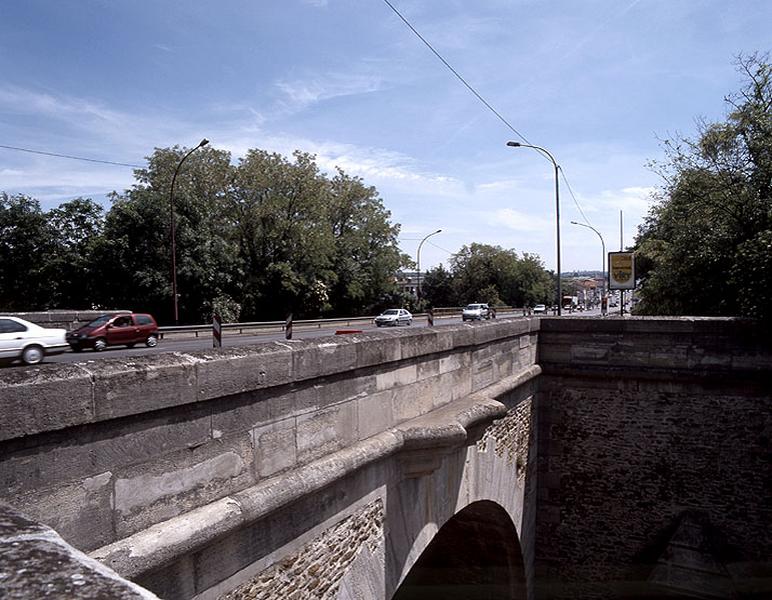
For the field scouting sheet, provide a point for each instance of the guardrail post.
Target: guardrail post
(288, 327)
(216, 331)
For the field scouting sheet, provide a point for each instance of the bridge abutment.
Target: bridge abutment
(354, 468)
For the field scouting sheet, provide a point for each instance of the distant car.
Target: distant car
(394, 317)
(475, 312)
(25, 341)
(125, 329)
(539, 309)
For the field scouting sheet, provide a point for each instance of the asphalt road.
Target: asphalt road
(189, 343)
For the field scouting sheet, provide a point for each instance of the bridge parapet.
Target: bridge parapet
(105, 450)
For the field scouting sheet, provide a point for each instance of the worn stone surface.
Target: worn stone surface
(36, 563)
(42, 398)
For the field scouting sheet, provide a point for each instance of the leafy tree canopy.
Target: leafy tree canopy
(491, 274)
(705, 247)
(254, 240)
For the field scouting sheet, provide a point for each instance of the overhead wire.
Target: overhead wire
(571, 192)
(479, 97)
(456, 73)
(92, 160)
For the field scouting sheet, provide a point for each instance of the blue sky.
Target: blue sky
(597, 82)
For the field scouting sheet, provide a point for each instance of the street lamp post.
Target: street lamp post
(602, 258)
(546, 153)
(201, 144)
(418, 261)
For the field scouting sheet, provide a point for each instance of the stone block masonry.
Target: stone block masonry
(644, 424)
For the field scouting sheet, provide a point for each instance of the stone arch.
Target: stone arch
(476, 555)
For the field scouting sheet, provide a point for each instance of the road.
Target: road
(189, 343)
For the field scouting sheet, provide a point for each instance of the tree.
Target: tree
(437, 288)
(704, 248)
(27, 247)
(76, 226)
(491, 274)
(132, 260)
(366, 255)
(286, 251)
(255, 240)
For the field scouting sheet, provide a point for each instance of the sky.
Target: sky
(599, 83)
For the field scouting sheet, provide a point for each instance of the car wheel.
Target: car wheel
(131, 345)
(409, 322)
(151, 341)
(100, 344)
(32, 355)
(76, 347)
(378, 325)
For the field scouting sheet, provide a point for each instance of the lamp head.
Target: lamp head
(203, 143)
(438, 231)
(513, 144)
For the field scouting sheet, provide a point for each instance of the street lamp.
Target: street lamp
(418, 260)
(546, 153)
(602, 258)
(201, 144)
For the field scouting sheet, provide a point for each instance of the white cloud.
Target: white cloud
(519, 221)
(302, 93)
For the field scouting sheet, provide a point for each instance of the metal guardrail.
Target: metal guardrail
(300, 323)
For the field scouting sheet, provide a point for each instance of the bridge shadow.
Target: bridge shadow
(476, 555)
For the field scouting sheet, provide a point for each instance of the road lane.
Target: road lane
(185, 343)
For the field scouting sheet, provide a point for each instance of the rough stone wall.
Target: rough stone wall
(315, 571)
(510, 437)
(623, 458)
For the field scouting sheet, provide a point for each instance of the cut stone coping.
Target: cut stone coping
(446, 427)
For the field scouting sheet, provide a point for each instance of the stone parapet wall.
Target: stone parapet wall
(103, 450)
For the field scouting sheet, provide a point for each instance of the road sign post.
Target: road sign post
(430, 318)
(621, 274)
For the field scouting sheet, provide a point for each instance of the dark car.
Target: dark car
(125, 329)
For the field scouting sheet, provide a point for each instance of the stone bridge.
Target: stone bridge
(522, 458)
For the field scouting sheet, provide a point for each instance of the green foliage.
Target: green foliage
(437, 288)
(255, 240)
(491, 274)
(77, 226)
(27, 247)
(705, 247)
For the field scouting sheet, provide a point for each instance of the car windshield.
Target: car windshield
(99, 321)
(473, 307)
(391, 311)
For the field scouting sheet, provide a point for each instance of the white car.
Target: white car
(539, 309)
(394, 316)
(475, 312)
(25, 341)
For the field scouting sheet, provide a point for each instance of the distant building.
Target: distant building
(407, 282)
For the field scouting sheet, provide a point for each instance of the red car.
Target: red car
(125, 329)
